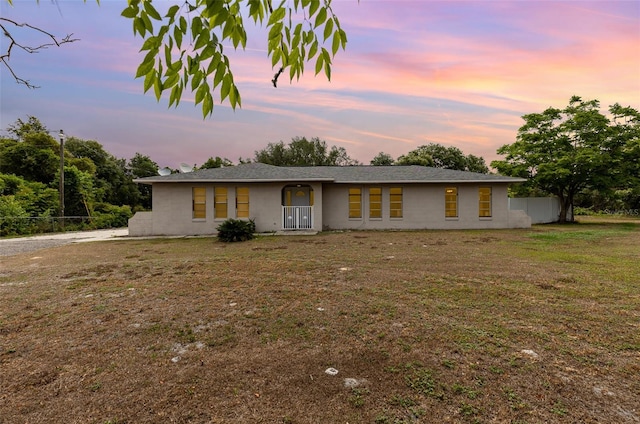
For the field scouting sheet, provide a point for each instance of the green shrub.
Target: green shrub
(236, 230)
(13, 218)
(106, 215)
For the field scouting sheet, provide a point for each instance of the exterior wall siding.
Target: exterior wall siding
(423, 208)
(172, 209)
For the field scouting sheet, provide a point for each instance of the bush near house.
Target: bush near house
(236, 230)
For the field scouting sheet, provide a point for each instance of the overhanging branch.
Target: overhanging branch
(6, 24)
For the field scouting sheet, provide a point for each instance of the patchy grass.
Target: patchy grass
(521, 326)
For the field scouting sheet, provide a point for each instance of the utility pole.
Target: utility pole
(61, 187)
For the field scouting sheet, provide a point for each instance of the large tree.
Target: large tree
(303, 152)
(564, 151)
(31, 153)
(439, 156)
(184, 43)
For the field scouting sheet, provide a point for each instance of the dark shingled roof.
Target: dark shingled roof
(260, 172)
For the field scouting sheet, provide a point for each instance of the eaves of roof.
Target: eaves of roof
(263, 173)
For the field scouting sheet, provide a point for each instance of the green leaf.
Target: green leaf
(196, 26)
(138, 26)
(313, 6)
(130, 12)
(144, 68)
(150, 43)
(167, 55)
(343, 39)
(220, 73)
(213, 63)
(151, 11)
(277, 16)
(207, 105)
(326, 55)
(234, 97)
(275, 58)
(336, 43)
(171, 81)
(202, 40)
(319, 64)
(226, 88)
(221, 17)
(196, 80)
(149, 79)
(171, 13)
(177, 36)
(313, 50)
(200, 93)
(327, 70)
(176, 94)
(275, 33)
(321, 17)
(328, 29)
(207, 52)
(157, 87)
(147, 22)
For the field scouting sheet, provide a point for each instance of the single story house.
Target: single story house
(327, 198)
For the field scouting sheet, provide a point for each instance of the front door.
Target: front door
(297, 196)
(297, 208)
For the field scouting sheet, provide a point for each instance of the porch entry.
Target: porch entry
(297, 207)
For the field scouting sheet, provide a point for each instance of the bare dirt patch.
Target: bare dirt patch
(523, 326)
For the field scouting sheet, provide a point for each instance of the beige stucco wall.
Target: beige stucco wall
(172, 209)
(423, 208)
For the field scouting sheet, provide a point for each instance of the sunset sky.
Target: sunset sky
(458, 73)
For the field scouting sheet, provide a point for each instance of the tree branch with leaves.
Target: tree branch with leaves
(185, 47)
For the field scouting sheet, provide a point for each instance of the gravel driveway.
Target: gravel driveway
(15, 246)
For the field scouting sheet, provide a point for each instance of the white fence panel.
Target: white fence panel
(542, 210)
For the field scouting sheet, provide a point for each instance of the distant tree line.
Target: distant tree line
(590, 160)
(99, 186)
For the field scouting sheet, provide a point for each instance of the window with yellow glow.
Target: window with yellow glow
(484, 205)
(395, 202)
(199, 202)
(375, 202)
(355, 203)
(451, 202)
(242, 202)
(220, 202)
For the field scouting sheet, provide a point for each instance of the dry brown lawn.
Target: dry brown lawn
(511, 326)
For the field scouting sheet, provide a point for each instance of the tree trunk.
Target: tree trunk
(562, 218)
(566, 209)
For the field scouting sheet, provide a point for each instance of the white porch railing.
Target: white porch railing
(297, 217)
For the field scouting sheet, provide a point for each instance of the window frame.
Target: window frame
(220, 199)
(375, 203)
(451, 199)
(242, 212)
(396, 200)
(355, 198)
(485, 203)
(199, 203)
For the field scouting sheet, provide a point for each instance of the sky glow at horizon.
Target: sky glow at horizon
(458, 73)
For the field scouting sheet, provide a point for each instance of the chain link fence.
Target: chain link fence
(24, 225)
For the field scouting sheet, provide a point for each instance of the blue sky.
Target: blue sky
(459, 73)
